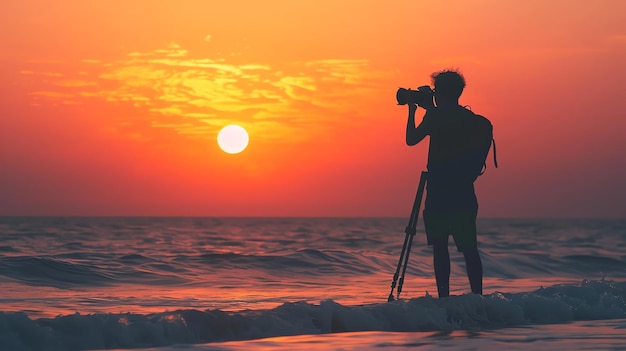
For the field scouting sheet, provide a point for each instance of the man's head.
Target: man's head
(448, 85)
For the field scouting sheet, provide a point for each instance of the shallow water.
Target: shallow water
(588, 335)
(150, 282)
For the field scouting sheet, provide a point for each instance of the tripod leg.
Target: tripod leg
(412, 227)
(408, 239)
(395, 276)
(406, 261)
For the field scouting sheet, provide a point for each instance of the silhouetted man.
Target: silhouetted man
(455, 159)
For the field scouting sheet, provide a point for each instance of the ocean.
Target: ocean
(174, 283)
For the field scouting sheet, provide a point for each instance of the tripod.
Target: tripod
(408, 239)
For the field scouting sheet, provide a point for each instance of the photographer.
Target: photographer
(455, 158)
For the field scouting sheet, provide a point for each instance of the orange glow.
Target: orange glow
(113, 108)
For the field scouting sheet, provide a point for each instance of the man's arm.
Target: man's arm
(416, 134)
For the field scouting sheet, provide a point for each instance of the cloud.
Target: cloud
(75, 83)
(195, 96)
(47, 74)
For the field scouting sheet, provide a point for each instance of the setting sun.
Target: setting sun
(233, 139)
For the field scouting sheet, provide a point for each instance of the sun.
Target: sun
(232, 139)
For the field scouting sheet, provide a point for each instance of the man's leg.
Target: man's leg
(441, 261)
(465, 238)
(474, 267)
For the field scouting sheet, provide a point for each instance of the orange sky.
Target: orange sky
(113, 107)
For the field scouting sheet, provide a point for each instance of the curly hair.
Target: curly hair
(448, 83)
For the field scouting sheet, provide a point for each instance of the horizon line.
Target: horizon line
(308, 216)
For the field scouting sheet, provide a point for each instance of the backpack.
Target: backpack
(461, 147)
(482, 131)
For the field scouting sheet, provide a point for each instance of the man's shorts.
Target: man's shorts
(461, 225)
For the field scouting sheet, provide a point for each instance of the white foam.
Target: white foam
(555, 304)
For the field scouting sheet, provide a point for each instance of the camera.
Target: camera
(422, 96)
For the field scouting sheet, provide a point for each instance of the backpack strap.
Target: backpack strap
(495, 160)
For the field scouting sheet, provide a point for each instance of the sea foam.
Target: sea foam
(555, 304)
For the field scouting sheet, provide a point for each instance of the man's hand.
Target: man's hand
(426, 103)
(415, 134)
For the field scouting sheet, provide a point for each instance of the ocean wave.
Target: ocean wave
(66, 273)
(589, 300)
(308, 261)
(597, 262)
(51, 271)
